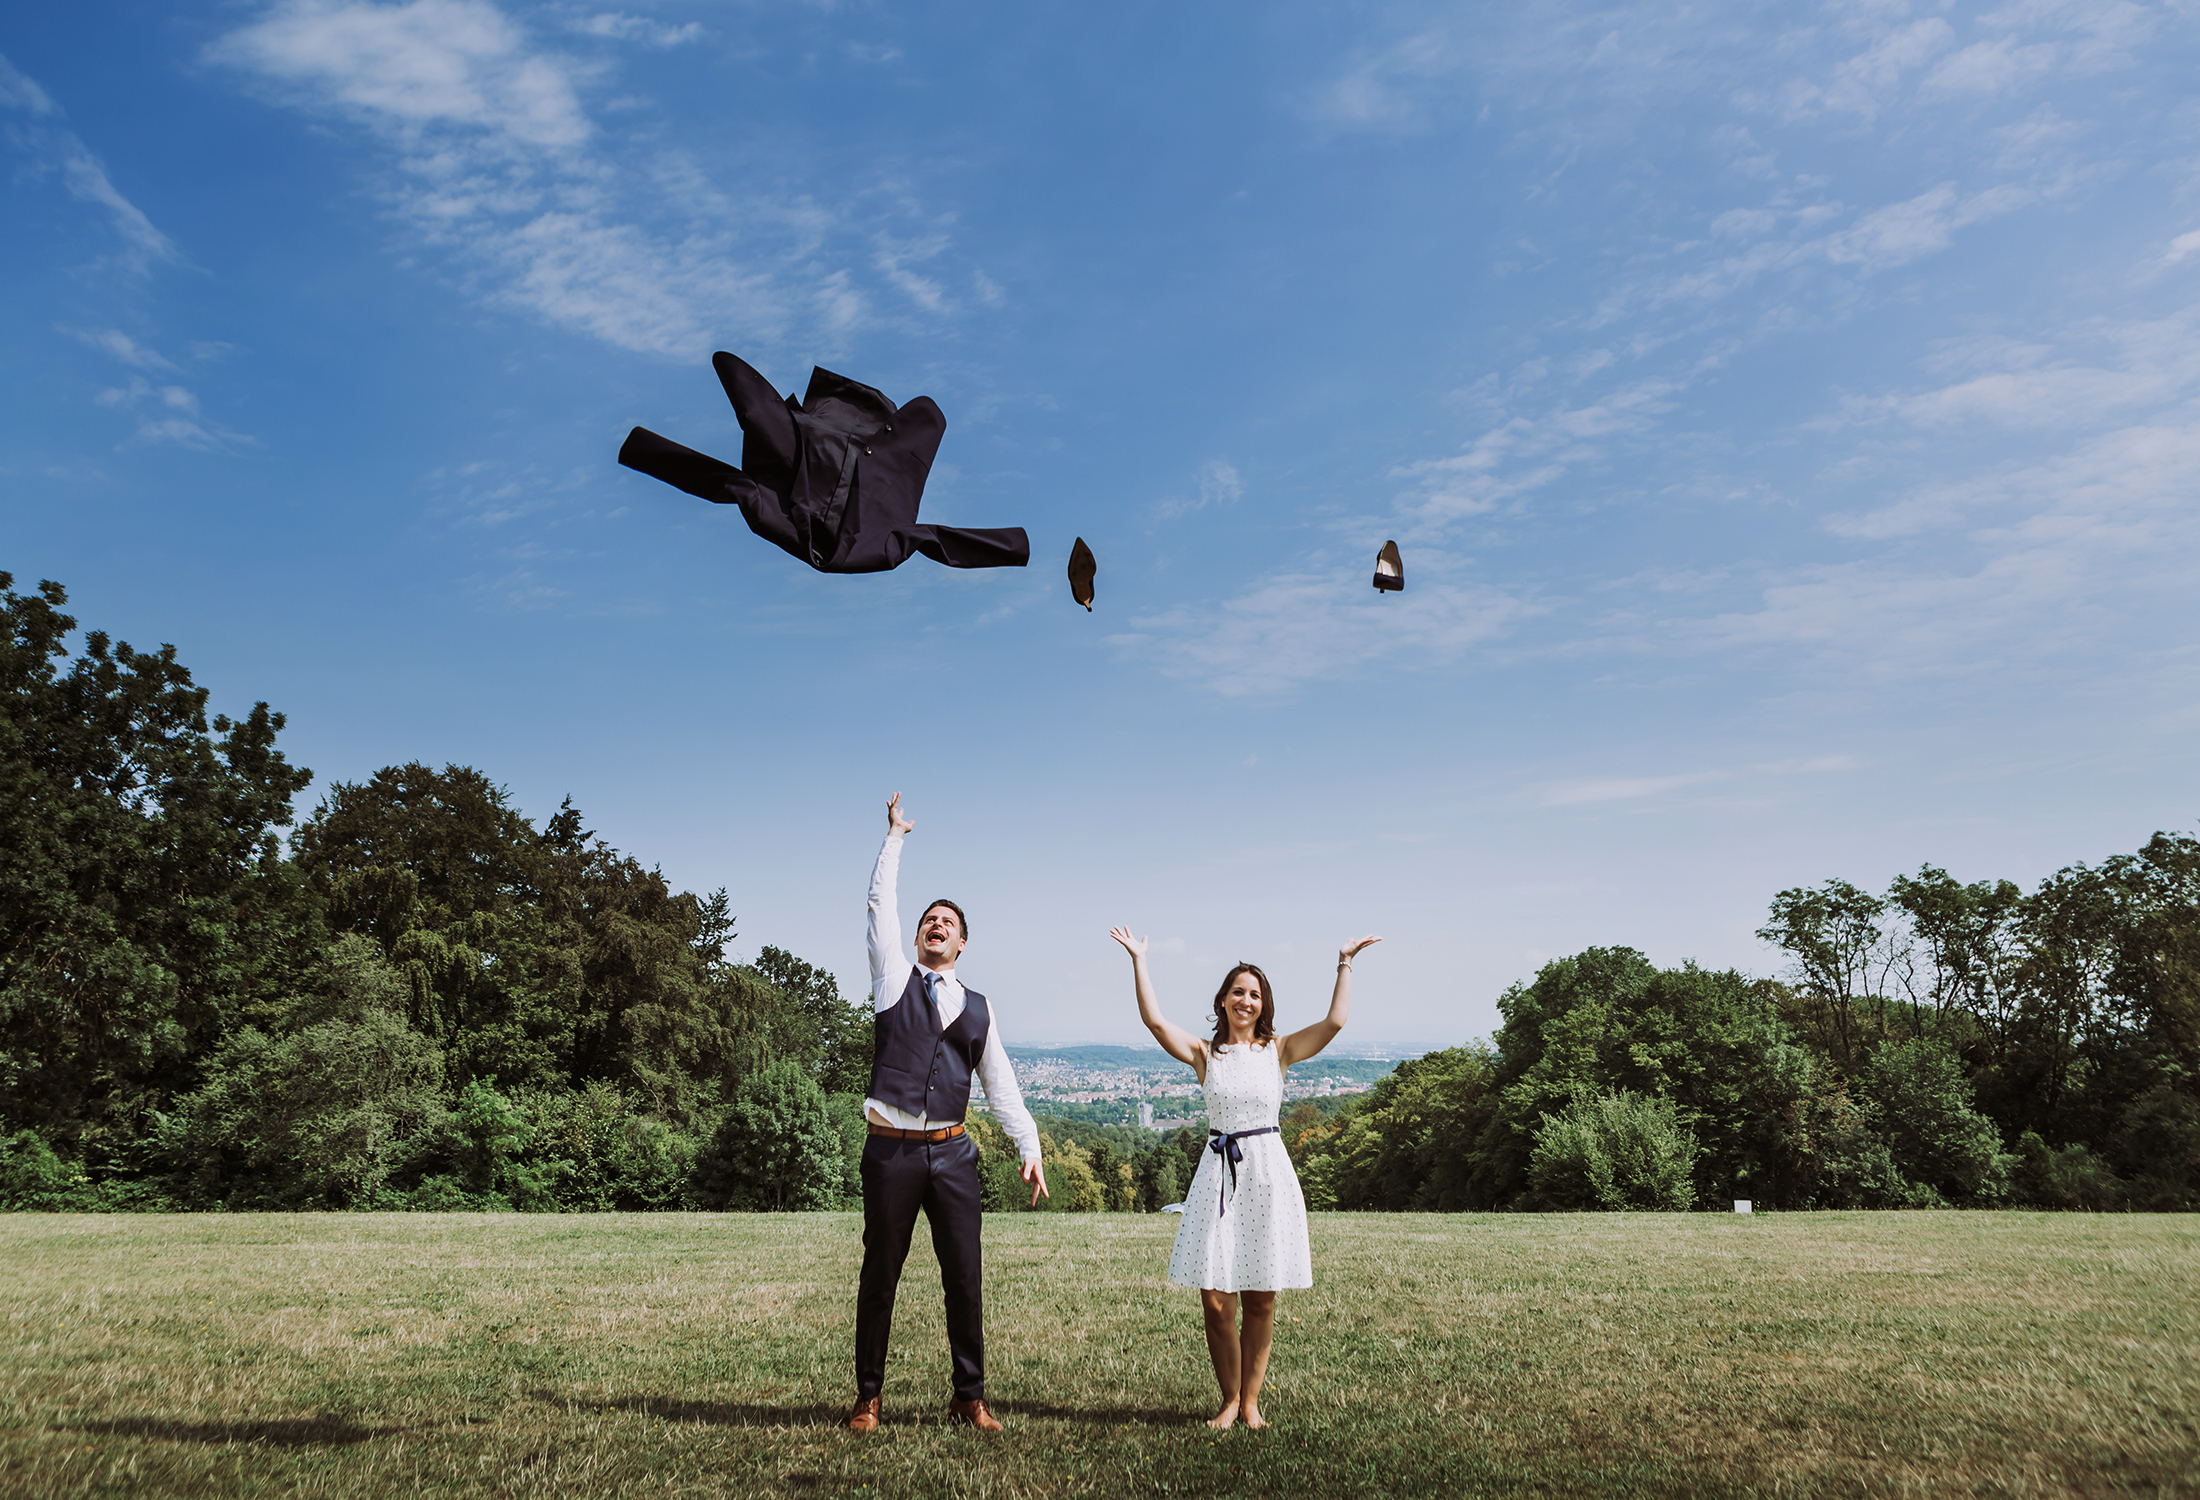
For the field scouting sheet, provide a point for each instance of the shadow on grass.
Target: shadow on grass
(813, 1414)
(1104, 1416)
(711, 1413)
(274, 1432)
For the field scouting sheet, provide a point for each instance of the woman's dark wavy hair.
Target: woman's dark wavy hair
(1264, 1029)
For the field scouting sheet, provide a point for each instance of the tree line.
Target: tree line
(1941, 1043)
(419, 998)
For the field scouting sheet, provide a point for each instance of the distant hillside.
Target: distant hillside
(1359, 1070)
(1099, 1057)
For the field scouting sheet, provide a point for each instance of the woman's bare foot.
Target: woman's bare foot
(1225, 1419)
(1254, 1419)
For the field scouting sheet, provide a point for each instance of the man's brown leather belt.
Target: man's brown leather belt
(934, 1136)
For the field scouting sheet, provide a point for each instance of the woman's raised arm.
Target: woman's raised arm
(1174, 1039)
(1305, 1042)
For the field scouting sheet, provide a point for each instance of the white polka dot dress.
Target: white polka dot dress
(1254, 1238)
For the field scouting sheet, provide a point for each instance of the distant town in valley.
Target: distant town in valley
(1144, 1086)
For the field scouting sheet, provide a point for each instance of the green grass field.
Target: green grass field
(1829, 1354)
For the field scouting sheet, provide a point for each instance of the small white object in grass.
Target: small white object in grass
(1744, 1206)
(1172, 1208)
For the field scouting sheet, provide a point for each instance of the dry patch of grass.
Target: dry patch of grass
(2008, 1355)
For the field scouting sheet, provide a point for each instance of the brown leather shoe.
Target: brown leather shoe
(973, 1414)
(865, 1417)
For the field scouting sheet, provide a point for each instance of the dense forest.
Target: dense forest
(418, 998)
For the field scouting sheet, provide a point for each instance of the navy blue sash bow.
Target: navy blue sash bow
(1226, 1147)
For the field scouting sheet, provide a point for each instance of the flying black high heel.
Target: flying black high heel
(1390, 570)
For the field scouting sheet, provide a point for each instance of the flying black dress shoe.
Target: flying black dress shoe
(1390, 571)
(1082, 567)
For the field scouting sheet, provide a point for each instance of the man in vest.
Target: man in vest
(932, 1036)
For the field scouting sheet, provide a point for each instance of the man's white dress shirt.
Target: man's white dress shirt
(890, 969)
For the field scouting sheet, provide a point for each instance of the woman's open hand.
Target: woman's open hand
(1135, 946)
(1347, 953)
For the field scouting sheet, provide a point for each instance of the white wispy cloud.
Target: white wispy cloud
(1216, 482)
(119, 346)
(415, 66)
(493, 157)
(626, 28)
(2028, 538)
(20, 92)
(51, 147)
(164, 409)
(168, 413)
(1597, 790)
(1284, 632)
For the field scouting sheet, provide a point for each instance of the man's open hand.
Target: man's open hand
(1036, 1175)
(895, 822)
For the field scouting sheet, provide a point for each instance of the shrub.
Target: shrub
(323, 1118)
(2161, 1146)
(855, 1129)
(1920, 1103)
(776, 1149)
(2068, 1177)
(1615, 1151)
(591, 1151)
(493, 1129)
(33, 1177)
(1850, 1165)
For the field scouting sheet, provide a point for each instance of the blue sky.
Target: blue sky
(1790, 416)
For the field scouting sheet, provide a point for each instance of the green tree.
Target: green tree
(144, 902)
(1071, 1183)
(1606, 1021)
(1921, 1104)
(2159, 1144)
(540, 961)
(777, 1148)
(835, 1035)
(1843, 962)
(1967, 933)
(1408, 1142)
(1160, 1179)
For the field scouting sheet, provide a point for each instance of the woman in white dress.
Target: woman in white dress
(1243, 1235)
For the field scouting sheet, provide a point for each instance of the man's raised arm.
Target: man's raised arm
(889, 968)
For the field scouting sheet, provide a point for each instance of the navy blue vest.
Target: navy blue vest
(920, 1069)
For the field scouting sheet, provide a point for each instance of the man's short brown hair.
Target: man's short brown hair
(951, 906)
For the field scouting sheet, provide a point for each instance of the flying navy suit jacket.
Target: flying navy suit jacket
(834, 479)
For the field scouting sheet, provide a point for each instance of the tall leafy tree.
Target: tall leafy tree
(1844, 963)
(144, 901)
(836, 1035)
(1713, 1044)
(539, 959)
(1970, 953)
